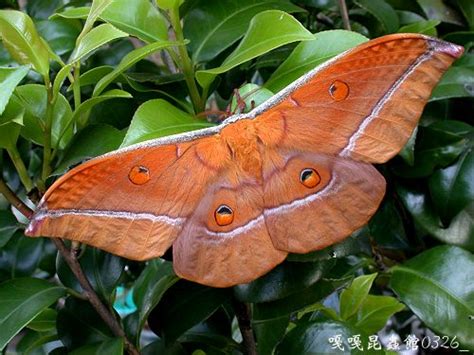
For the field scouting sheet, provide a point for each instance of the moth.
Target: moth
(293, 175)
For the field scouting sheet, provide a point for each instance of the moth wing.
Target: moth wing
(364, 104)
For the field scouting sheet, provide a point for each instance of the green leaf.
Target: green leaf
(438, 10)
(374, 313)
(296, 301)
(33, 98)
(97, 7)
(11, 122)
(177, 311)
(225, 22)
(8, 226)
(45, 321)
(155, 279)
(284, 280)
(424, 27)
(92, 141)
(456, 82)
(158, 118)
(103, 270)
(110, 346)
(32, 341)
(21, 256)
(309, 54)
(138, 18)
(315, 338)
(269, 333)
(79, 324)
(354, 296)
(467, 8)
(267, 30)
(80, 114)
(9, 79)
(438, 286)
(21, 300)
(459, 232)
(169, 4)
(94, 39)
(248, 97)
(60, 34)
(452, 188)
(20, 38)
(127, 61)
(383, 12)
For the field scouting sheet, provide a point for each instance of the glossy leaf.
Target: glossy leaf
(177, 311)
(110, 346)
(9, 79)
(309, 54)
(20, 38)
(92, 329)
(138, 18)
(383, 12)
(60, 34)
(8, 226)
(284, 280)
(21, 256)
(32, 341)
(225, 22)
(21, 300)
(424, 27)
(467, 8)
(247, 97)
(45, 321)
(33, 98)
(269, 333)
(277, 27)
(11, 122)
(158, 118)
(456, 82)
(314, 338)
(374, 312)
(102, 269)
(452, 188)
(92, 141)
(154, 281)
(460, 230)
(97, 7)
(94, 39)
(80, 114)
(438, 286)
(438, 10)
(354, 296)
(130, 59)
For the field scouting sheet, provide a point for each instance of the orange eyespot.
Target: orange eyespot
(224, 215)
(309, 178)
(139, 175)
(339, 90)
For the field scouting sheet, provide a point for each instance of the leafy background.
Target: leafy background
(79, 79)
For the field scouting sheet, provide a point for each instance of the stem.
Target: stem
(92, 297)
(71, 260)
(15, 200)
(186, 64)
(76, 86)
(47, 131)
(344, 14)
(20, 168)
(242, 312)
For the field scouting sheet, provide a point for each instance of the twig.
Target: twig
(242, 312)
(72, 262)
(89, 292)
(344, 14)
(14, 200)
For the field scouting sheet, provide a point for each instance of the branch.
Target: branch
(72, 262)
(242, 312)
(14, 200)
(89, 292)
(345, 15)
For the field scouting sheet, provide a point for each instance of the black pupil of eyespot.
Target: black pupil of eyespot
(332, 89)
(305, 174)
(142, 169)
(224, 210)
